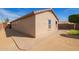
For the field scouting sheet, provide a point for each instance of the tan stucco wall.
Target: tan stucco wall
(42, 24)
(36, 25)
(26, 25)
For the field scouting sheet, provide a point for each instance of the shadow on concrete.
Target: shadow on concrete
(10, 32)
(70, 36)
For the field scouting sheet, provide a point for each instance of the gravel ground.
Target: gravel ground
(57, 41)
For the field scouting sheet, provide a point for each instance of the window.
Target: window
(49, 23)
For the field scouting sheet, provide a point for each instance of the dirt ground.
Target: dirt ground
(57, 41)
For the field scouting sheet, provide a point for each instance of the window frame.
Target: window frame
(49, 23)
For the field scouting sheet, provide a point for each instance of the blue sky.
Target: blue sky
(14, 13)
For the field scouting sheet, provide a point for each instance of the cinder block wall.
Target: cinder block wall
(3, 25)
(67, 26)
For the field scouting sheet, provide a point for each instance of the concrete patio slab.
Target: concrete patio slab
(54, 42)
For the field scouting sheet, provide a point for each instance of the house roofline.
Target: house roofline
(55, 14)
(35, 13)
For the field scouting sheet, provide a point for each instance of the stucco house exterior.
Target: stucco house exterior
(37, 23)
